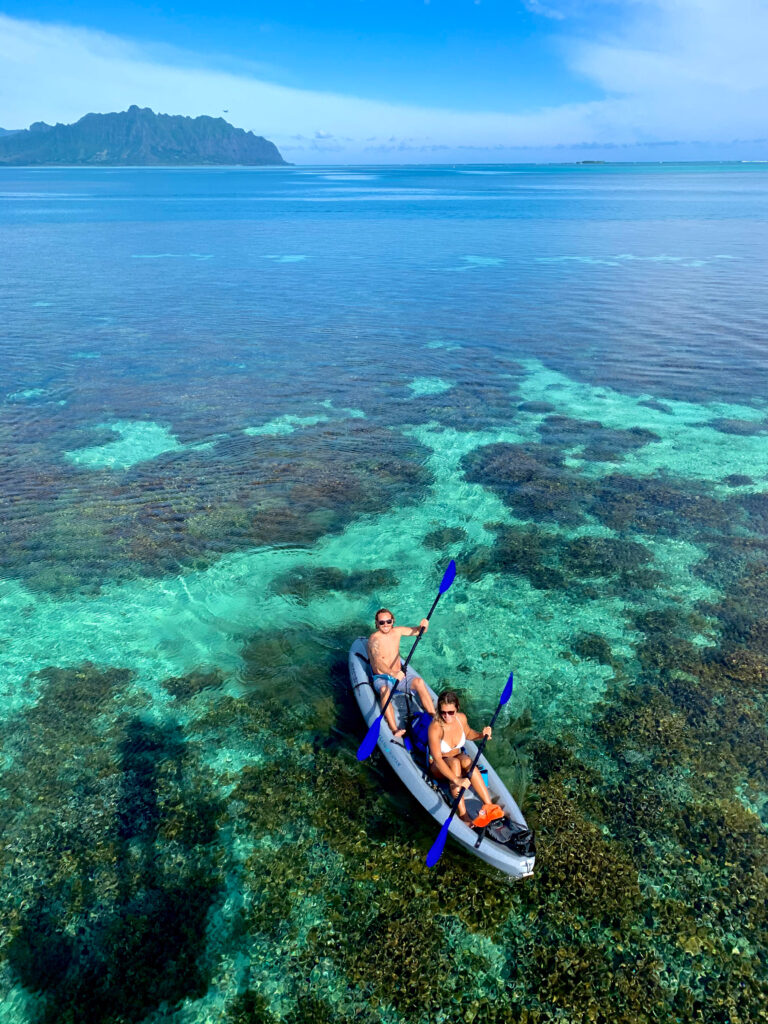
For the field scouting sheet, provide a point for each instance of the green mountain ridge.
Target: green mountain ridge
(138, 137)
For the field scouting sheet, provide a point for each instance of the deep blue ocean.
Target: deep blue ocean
(240, 410)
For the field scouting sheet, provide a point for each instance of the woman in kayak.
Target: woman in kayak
(447, 735)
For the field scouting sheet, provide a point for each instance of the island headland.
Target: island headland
(137, 137)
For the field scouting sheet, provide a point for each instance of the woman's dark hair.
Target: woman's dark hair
(448, 697)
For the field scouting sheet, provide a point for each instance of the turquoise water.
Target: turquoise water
(242, 409)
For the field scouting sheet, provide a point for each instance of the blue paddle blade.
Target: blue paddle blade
(365, 749)
(448, 577)
(507, 690)
(436, 849)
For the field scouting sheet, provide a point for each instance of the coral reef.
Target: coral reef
(537, 408)
(593, 647)
(87, 527)
(651, 874)
(550, 562)
(184, 688)
(597, 442)
(109, 854)
(307, 583)
(742, 428)
(443, 538)
(659, 504)
(531, 478)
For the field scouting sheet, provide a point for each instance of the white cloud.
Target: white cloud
(696, 69)
(682, 70)
(536, 7)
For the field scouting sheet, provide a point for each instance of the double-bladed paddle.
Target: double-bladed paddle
(436, 850)
(372, 736)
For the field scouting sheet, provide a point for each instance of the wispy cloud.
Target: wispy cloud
(547, 10)
(681, 71)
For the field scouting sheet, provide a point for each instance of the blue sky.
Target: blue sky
(366, 81)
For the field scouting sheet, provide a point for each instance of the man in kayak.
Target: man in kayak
(384, 653)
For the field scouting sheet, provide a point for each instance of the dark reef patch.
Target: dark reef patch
(755, 506)
(186, 687)
(586, 567)
(531, 478)
(599, 443)
(604, 556)
(443, 538)
(742, 428)
(184, 510)
(517, 550)
(593, 647)
(743, 610)
(308, 582)
(659, 504)
(473, 401)
(737, 480)
(303, 678)
(475, 405)
(109, 855)
(541, 408)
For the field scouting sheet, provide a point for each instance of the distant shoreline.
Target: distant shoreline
(586, 164)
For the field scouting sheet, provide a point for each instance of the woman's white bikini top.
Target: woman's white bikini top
(445, 747)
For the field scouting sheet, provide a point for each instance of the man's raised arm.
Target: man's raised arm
(414, 630)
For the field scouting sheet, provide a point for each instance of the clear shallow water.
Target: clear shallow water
(239, 411)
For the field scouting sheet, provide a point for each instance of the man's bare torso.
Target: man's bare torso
(384, 650)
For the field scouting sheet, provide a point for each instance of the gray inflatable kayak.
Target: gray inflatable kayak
(506, 844)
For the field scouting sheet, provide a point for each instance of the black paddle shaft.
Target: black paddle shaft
(372, 736)
(478, 755)
(410, 655)
(436, 849)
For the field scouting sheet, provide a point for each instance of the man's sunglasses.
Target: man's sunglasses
(384, 622)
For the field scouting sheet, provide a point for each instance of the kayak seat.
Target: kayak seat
(417, 731)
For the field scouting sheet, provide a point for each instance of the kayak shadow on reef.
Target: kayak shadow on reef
(104, 960)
